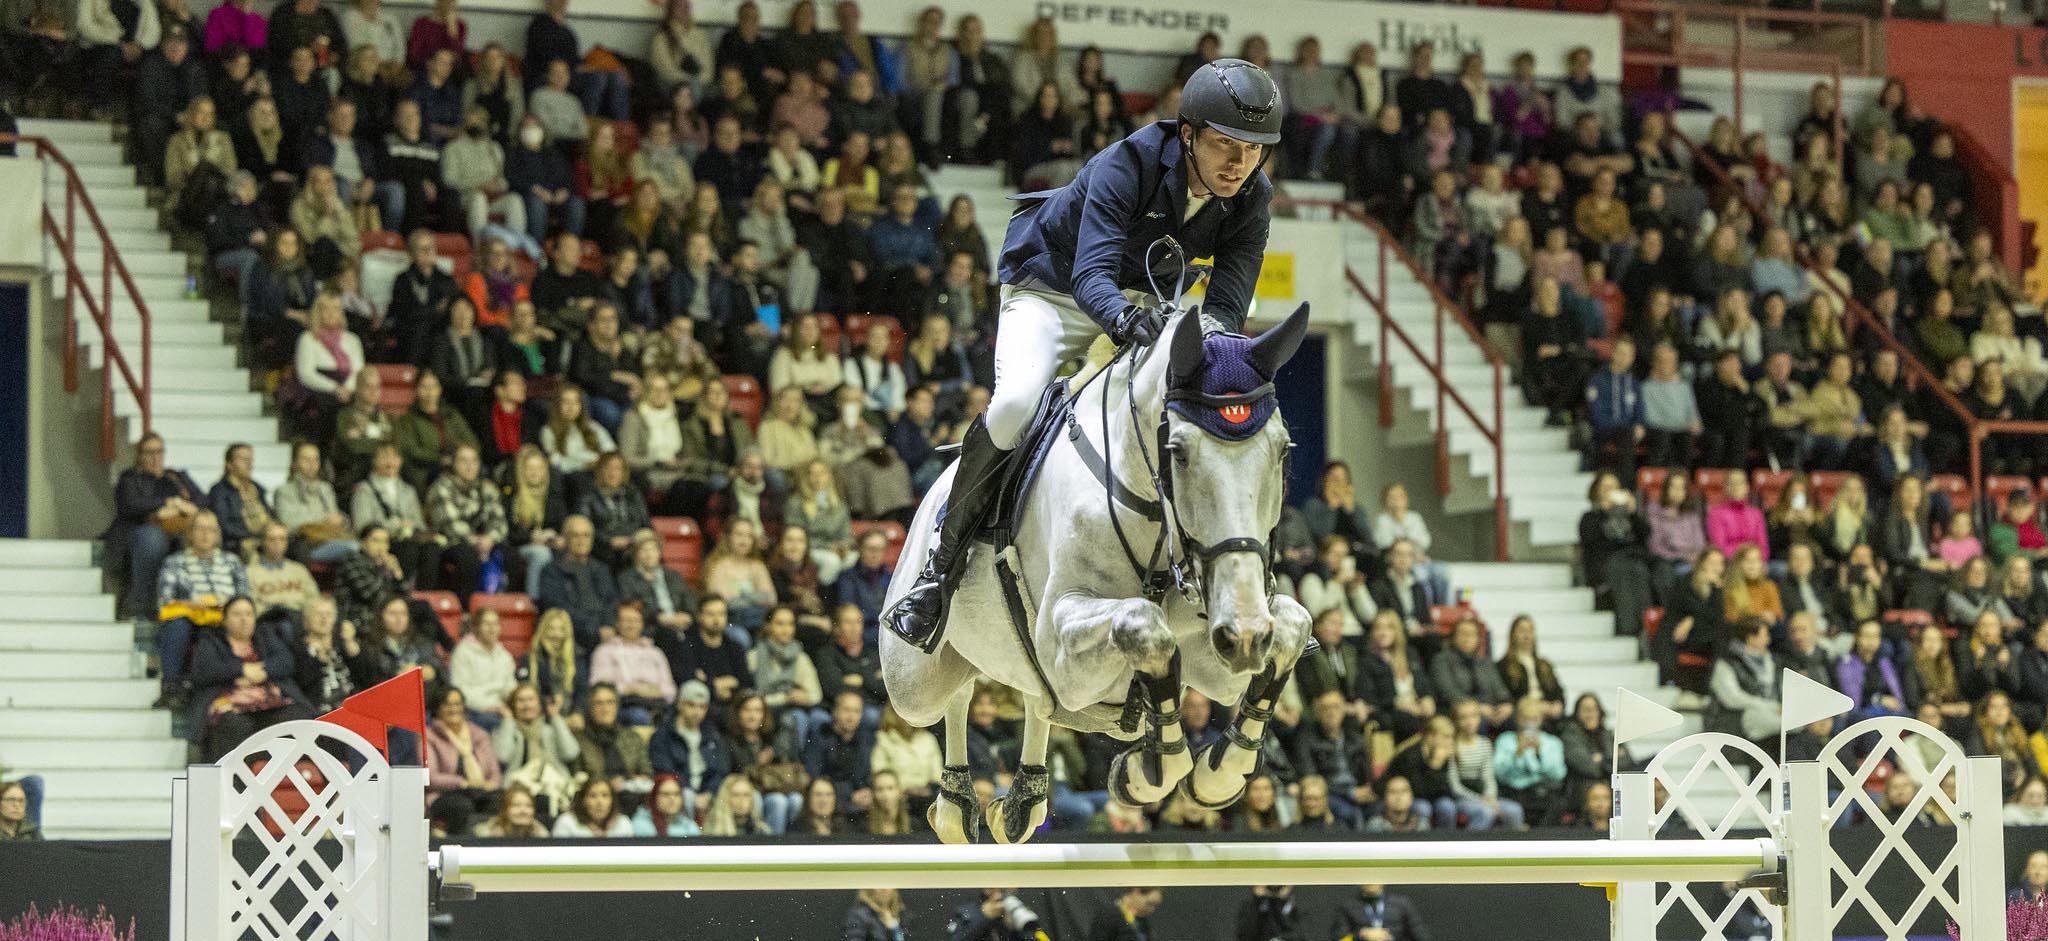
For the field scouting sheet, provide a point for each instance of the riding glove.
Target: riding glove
(1139, 325)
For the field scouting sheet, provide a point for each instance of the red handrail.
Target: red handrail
(135, 377)
(1391, 251)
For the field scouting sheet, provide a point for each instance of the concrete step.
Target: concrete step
(62, 132)
(222, 431)
(1602, 678)
(80, 694)
(202, 459)
(103, 197)
(62, 817)
(223, 404)
(167, 332)
(16, 581)
(200, 381)
(124, 753)
(35, 665)
(83, 153)
(93, 638)
(97, 176)
(164, 263)
(51, 553)
(1569, 653)
(128, 784)
(18, 725)
(1506, 575)
(89, 608)
(1487, 597)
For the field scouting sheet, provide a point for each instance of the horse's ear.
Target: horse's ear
(1275, 347)
(1186, 356)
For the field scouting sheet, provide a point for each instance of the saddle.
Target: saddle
(1055, 411)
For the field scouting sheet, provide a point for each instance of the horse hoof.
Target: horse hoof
(947, 821)
(1127, 785)
(998, 815)
(1209, 770)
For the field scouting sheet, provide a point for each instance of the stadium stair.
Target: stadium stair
(74, 706)
(202, 398)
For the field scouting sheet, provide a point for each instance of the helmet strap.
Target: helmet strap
(1195, 166)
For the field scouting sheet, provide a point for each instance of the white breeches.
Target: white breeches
(1036, 331)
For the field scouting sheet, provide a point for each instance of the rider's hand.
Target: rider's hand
(1140, 325)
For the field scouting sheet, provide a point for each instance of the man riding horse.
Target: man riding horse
(1074, 266)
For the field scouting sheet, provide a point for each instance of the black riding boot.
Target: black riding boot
(921, 612)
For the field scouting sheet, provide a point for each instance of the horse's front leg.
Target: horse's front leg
(956, 816)
(1223, 767)
(1090, 629)
(1013, 817)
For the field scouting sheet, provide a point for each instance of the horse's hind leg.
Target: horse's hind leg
(1091, 629)
(1222, 768)
(1013, 817)
(956, 815)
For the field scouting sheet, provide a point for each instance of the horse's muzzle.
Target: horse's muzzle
(1243, 649)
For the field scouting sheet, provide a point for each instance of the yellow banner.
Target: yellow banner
(1276, 278)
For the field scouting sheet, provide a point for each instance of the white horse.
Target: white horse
(1192, 416)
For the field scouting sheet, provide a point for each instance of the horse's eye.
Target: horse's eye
(1180, 454)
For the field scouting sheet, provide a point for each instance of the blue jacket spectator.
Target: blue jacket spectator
(580, 585)
(898, 240)
(1614, 399)
(672, 750)
(840, 750)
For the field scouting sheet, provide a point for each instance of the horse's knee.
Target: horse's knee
(1292, 627)
(1139, 630)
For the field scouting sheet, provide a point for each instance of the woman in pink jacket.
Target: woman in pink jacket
(1734, 522)
(463, 776)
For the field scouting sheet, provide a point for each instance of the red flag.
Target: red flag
(399, 701)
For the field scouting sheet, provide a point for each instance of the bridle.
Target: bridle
(1177, 561)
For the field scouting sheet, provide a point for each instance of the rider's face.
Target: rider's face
(1222, 163)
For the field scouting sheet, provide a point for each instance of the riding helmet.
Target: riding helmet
(1234, 97)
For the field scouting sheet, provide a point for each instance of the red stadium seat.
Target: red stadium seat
(682, 544)
(516, 615)
(829, 330)
(1653, 620)
(1956, 486)
(373, 241)
(857, 331)
(447, 608)
(1768, 484)
(1998, 488)
(1650, 482)
(451, 244)
(395, 393)
(1907, 621)
(626, 135)
(1447, 616)
(894, 531)
(1825, 485)
(746, 398)
(1711, 482)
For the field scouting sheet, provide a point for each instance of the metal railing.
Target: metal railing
(1658, 32)
(1444, 311)
(113, 283)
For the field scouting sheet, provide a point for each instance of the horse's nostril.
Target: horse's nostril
(1224, 638)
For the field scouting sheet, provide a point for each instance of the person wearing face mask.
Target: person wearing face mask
(473, 171)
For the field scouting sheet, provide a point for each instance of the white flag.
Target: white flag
(1806, 702)
(1635, 717)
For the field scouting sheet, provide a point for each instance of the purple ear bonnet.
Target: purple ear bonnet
(1226, 370)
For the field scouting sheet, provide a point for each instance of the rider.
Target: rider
(1074, 266)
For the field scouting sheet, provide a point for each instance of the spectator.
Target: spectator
(385, 499)
(307, 506)
(660, 161)
(169, 79)
(865, 583)
(328, 660)
(1970, 595)
(1336, 584)
(1728, 411)
(849, 663)
(1734, 522)
(1897, 453)
(1749, 591)
(803, 362)
(594, 813)
(911, 754)
(783, 673)
(579, 583)
(666, 813)
(1590, 755)
(238, 230)
(1336, 751)
(397, 645)
(193, 588)
(681, 50)
(1337, 666)
(543, 179)
(734, 812)
(241, 681)
(1745, 684)
(474, 167)
(615, 508)
(1998, 733)
(550, 39)
(1462, 672)
(360, 175)
(462, 766)
(1614, 541)
(466, 514)
(1984, 661)
(427, 431)
(277, 297)
(1677, 530)
(367, 578)
(1474, 789)
(278, 583)
(660, 591)
(1525, 674)
(1529, 762)
(1802, 652)
(1615, 410)
(676, 354)
(413, 165)
(691, 749)
(1401, 589)
(242, 505)
(1869, 678)
(2029, 808)
(153, 506)
(786, 441)
(610, 752)
(711, 655)
(2017, 534)
(1802, 591)
(2021, 591)
(198, 143)
(877, 375)
(1553, 352)
(1935, 682)
(629, 662)
(1399, 813)
(324, 219)
(1906, 541)
(327, 360)
(484, 671)
(840, 751)
(1671, 413)
(731, 166)
(800, 108)
(734, 571)
(651, 437)
(714, 439)
(1695, 622)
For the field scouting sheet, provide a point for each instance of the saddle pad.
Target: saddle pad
(1053, 408)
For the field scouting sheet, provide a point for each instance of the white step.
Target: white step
(36, 665)
(129, 784)
(1486, 597)
(20, 580)
(224, 404)
(68, 818)
(61, 132)
(1511, 574)
(99, 638)
(1570, 653)
(80, 694)
(164, 332)
(202, 459)
(200, 381)
(223, 431)
(103, 197)
(94, 608)
(97, 176)
(130, 753)
(45, 552)
(18, 725)
(84, 153)
(164, 263)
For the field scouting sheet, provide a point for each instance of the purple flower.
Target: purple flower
(2024, 921)
(65, 923)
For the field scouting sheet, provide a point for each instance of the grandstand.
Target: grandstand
(435, 321)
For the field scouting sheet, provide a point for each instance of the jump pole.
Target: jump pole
(700, 866)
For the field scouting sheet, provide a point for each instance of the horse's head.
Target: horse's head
(1225, 450)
